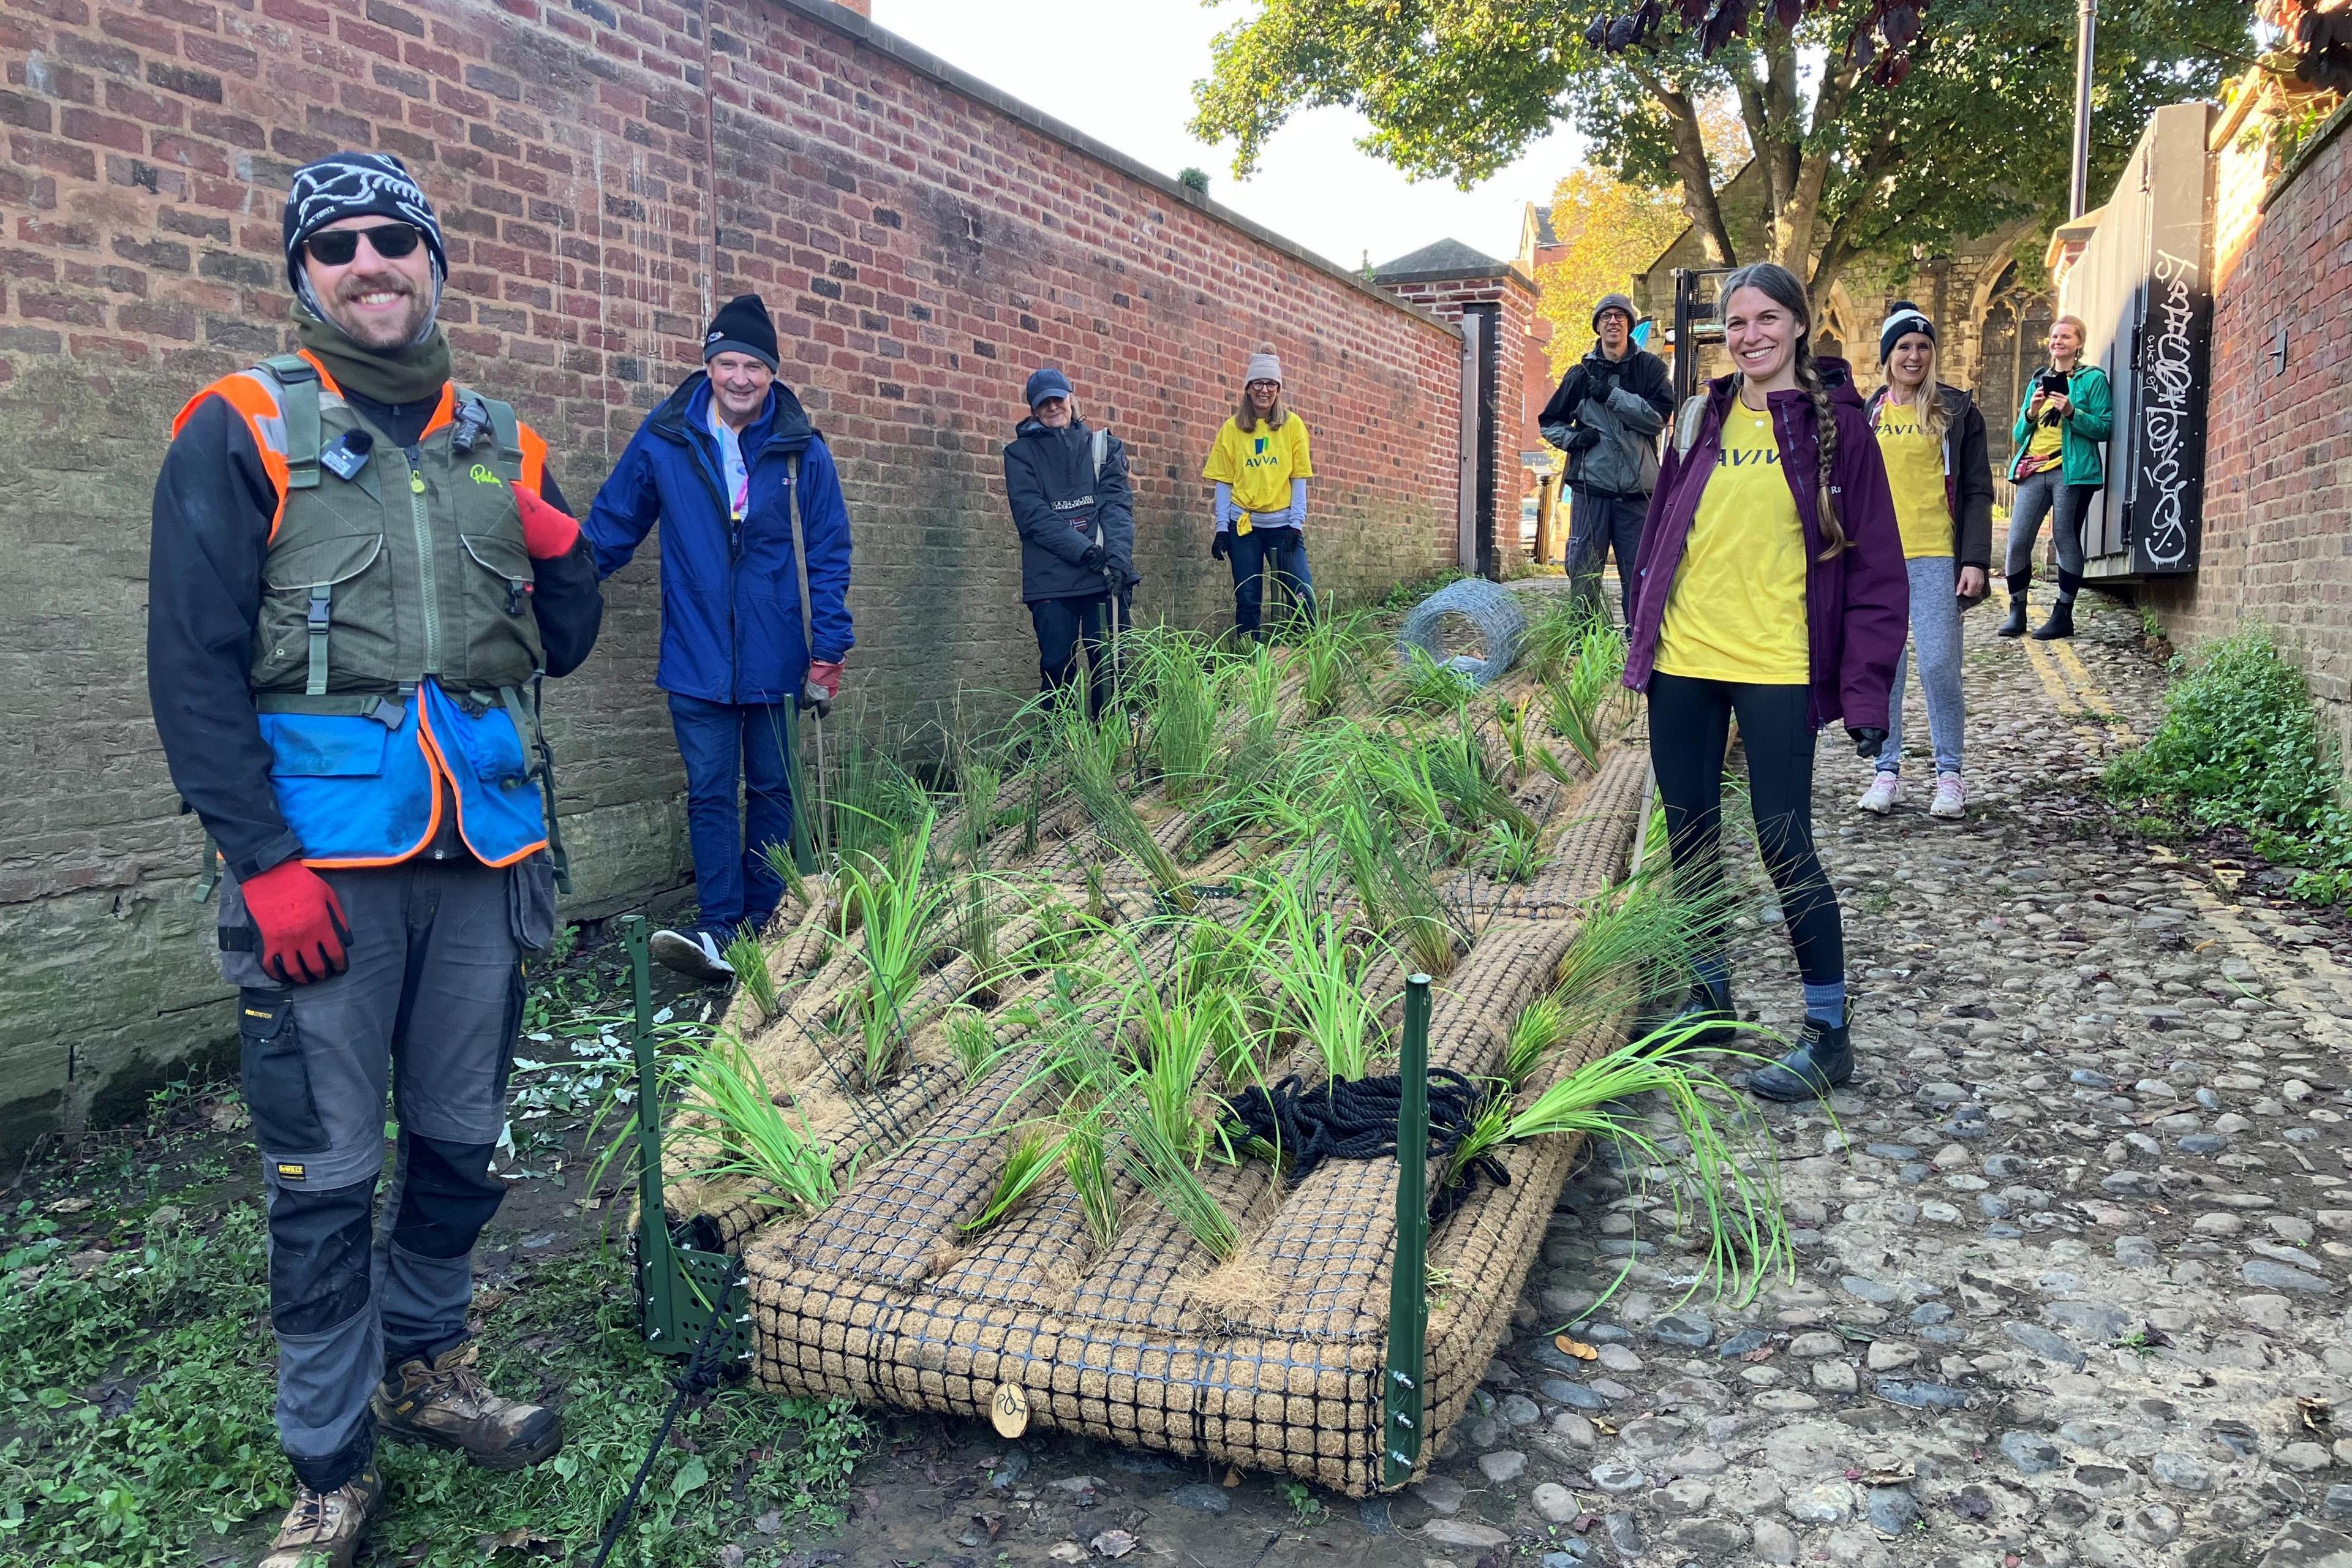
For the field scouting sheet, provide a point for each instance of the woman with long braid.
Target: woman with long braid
(1772, 589)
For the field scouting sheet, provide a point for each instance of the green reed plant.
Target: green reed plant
(1086, 1165)
(1548, 645)
(1512, 854)
(1176, 675)
(1583, 701)
(732, 1126)
(1724, 1181)
(1392, 875)
(1318, 963)
(901, 908)
(1430, 685)
(1036, 1156)
(749, 958)
(1330, 658)
(1459, 772)
(1089, 753)
(1144, 1152)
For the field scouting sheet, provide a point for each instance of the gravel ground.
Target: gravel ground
(2071, 1254)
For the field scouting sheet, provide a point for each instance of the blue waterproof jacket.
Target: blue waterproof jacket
(731, 627)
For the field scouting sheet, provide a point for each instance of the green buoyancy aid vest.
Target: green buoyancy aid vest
(396, 637)
(414, 566)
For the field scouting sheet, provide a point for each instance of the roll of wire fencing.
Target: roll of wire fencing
(1494, 609)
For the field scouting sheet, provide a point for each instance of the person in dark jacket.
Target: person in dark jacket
(1067, 481)
(1933, 441)
(1771, 590)
(359, 570)
(1606, 416)
(732, 469)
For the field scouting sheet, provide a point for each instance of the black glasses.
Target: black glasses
(338, 246)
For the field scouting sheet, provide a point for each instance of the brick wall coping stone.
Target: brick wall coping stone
(841, 20)
(2329, 129)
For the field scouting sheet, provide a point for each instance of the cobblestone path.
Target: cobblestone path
(2072, 1254)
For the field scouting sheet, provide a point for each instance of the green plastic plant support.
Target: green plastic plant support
(678, 1287)
(1402, 1404)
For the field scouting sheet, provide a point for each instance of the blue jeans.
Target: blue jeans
(722, 742)
(1286, 549)
(1935, 636)
(1597, 524)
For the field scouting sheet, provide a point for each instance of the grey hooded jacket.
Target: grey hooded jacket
(1606, 416)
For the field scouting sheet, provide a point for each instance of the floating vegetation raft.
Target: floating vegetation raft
(1011, 1036)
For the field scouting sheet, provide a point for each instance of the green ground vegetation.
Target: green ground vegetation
(136, 1362)
(2242, 747)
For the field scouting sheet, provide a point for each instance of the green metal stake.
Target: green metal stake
(656, 1269)
(1401, 1396)
(678, 1287)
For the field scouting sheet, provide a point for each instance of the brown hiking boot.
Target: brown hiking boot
(323, 1528)
(446, 1405)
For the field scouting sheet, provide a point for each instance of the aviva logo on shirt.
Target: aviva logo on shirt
(1259, 457)
(1749, 456)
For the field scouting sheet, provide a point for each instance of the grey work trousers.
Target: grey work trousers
(2046, 494)
(429, 1008)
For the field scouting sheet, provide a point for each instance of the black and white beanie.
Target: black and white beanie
(1901, 317)
(356, 184)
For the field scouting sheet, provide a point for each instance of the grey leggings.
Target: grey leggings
(2066, 505)
(1936, 634)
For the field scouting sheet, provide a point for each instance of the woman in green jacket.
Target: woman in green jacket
(2067, 412)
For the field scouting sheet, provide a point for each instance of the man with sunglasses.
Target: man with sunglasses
(359, 571)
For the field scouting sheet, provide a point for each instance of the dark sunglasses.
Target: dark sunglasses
(338, 246)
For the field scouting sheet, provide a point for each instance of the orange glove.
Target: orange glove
(546, 533)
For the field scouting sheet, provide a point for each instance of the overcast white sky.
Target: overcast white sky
(1122, 71)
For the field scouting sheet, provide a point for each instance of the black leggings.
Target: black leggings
(1690, 728)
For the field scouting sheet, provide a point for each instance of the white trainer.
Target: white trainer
(1951, 801)
(1884, 791)
(697, 956)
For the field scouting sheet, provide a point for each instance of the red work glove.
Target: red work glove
(546, 533)
(827, 676)
(300, 922)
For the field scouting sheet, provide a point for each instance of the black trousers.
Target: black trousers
(1690, 728)
(1067, 625)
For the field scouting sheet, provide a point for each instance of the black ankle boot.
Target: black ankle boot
(2015, 626)
(1823, 1060)
(1707, 1005)
(2061, 623)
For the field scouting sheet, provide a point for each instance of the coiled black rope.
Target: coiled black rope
(1336, 1119)
(700, 1376)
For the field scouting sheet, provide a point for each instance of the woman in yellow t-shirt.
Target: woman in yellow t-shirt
(1260, 466)
(1933, 441)
(1771, 591)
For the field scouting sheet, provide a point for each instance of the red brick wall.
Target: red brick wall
(2278, 462)
(606, 170)
(1445, 299)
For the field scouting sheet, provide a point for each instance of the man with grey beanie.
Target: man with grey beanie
(1606, 416)
(359, 571)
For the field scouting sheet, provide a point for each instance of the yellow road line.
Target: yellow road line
(2087, 686)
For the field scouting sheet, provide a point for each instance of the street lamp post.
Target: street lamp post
(2086, 30)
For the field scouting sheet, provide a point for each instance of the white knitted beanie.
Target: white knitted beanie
(1264, 366)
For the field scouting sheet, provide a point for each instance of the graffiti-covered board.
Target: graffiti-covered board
(2143, 288)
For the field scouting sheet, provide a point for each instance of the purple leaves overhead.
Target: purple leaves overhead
(1880, 43)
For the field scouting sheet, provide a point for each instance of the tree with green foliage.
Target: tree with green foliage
(1879, 126)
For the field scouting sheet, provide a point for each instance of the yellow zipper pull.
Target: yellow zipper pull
(415, 482)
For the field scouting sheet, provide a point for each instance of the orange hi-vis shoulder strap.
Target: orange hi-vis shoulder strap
(254, 396)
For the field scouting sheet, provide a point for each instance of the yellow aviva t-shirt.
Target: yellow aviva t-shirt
(1915, 473)
(1260, 464)
(1737, 611)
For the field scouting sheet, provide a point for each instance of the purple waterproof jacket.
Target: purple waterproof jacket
(1857, 603)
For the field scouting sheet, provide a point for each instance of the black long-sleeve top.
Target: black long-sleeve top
(213, 502)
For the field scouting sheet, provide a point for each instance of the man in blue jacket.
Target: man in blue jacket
(732, 468)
